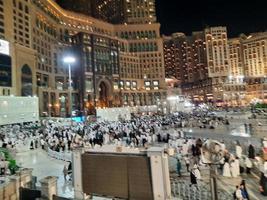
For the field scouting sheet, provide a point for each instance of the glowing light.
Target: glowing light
(69, 60)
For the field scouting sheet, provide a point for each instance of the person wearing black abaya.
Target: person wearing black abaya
(251, 151)
(263, 184)
(193, 178)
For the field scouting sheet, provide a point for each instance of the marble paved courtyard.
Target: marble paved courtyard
(45, 166)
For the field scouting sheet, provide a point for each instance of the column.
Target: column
(160, 173)
(77, 174)
(49, 187)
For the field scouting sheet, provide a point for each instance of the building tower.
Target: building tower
(218, 59)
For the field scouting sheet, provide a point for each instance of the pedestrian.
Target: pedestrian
(196, 172)
(42, 143)
(193, 178)
(31, 145)
(251, 152)
(238, 150)
(248, 165)
(263, 184)
(243, 193)
(238, 193)
(234, 168)
(187, 162)
(36, 143)
(178, 167)
(226, 170)
(65, 172)
(244, 188)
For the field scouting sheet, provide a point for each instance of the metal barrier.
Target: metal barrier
(65, 156)
(183, 190)
(55, 197)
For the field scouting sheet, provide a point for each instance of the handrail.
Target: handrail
(65, 156)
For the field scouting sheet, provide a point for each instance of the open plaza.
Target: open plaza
(46, 151)
(133, 99)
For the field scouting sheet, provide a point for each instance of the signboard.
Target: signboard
(126, 177)
(4, 47)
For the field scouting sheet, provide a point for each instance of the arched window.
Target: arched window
(26, 9)
(150, 34)
(134, 35)
(26, 81)
(20, 6)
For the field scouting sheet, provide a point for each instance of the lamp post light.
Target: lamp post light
(49, 109)
(69, 60)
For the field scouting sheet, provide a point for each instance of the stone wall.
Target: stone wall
(9, 189)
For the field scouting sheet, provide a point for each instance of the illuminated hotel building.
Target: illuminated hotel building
(144, 42)
(217, 59)
(185, 59)
(138, 11)
(248, 63)
(211, 68)
(234, 86)
(173, 55)
(116, 64)
(114, 11)
(255, 65)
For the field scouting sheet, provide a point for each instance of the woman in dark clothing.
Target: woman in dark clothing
(251, 151)
(193, 178)
(31, 145)
(194, 150)
(263, 184)
(244, 190)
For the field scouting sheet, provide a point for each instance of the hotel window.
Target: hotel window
(121, 84)
(115, 85)
(134, 85)
(127, 85)
(155, 83)
(5, 71)
(20, 6)
(26, 9)
(147, 85)
(89, 85)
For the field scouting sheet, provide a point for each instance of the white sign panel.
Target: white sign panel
(18, 110)
(4, 47)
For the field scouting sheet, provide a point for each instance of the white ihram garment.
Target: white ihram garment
(238, 150)
(226, 170)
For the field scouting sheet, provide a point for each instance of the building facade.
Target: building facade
(114, 11)
(185, 60)
(212, 68)
(145, 73)
(40, 34)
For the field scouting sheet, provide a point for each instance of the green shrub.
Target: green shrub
(12, 166)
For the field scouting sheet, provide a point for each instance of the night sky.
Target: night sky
(240, 16)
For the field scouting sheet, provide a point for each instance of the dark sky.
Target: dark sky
(240, 16)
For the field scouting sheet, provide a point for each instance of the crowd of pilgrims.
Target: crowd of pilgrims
(140, 131)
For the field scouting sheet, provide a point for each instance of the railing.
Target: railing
(65, 156)
(183, 190)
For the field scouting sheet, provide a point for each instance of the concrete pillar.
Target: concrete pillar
(77, 175)
(160, 173)
(49, 187)
(16, 181)
(25, 176)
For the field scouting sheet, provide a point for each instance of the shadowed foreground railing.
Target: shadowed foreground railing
(182, 189)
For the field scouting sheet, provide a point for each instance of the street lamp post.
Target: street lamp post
(69, 60)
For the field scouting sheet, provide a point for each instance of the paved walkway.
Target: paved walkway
(45, 166)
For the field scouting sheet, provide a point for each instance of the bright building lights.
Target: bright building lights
(69, 60)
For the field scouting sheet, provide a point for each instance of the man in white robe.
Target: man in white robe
(226, 170)
(238, 150)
